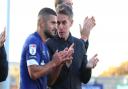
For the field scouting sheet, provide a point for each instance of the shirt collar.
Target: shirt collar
(37, 35)
(69, 40)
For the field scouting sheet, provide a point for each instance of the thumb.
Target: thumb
(72, 45)
(66, 49)
(95, 55)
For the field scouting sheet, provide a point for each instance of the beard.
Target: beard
(48, 34)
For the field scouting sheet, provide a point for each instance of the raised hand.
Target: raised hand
(89, 23)
(70, 52)
(2, 38)
(92, 62)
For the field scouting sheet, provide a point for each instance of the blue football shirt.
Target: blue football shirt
(34, 52)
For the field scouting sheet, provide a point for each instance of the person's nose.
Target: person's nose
(60, 26)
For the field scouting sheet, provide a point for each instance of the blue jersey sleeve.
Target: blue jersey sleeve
(33, 52)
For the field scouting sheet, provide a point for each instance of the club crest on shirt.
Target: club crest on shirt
(32, 49)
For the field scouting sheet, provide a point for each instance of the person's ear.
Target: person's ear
(71, 22)
(41, 22)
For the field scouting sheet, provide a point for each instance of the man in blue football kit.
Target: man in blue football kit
(35, 64)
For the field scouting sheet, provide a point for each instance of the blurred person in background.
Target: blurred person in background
(3, 58)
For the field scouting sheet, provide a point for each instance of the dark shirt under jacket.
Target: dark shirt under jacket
(3, 64)
(72, 77)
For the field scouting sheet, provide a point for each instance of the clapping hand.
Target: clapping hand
(88, 24)
(2, 38)
(92, 62)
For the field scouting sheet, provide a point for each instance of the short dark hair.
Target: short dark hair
(65, 9)
(45, 12)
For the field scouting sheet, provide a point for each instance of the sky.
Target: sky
(2, 14)
(108, 38)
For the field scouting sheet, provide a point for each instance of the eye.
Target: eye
(61, 22)
(64, 22)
